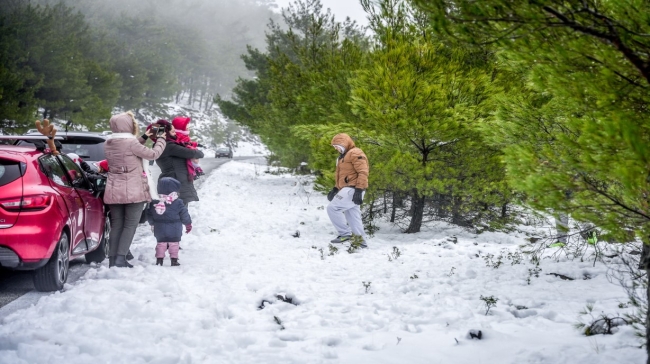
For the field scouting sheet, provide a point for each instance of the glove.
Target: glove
(357, 198)
(332, 193)
(188, 228)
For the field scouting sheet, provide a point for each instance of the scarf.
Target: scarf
(165, 199)
(182, 136)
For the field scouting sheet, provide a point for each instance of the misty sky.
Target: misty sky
(340, 8)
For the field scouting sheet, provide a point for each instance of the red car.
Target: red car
(50, 213)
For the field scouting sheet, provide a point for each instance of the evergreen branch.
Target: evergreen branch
(611, 37)
(613, 22)
(594, 188)
(421, 149)
(629, 80)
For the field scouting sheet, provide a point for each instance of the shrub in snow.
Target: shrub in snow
(355, 243)
(490, 302)
(475, 334)
(394, 254)
(533, 272)
(515, 258)
(601, 325)
(490, 262)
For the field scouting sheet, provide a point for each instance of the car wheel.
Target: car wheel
(98, 255)
(53, 275)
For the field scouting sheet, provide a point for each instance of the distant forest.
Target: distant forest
(80, 59)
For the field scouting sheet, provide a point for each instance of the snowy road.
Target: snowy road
(247, 291)
(16, 284)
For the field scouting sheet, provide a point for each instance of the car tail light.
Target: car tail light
(27, 203)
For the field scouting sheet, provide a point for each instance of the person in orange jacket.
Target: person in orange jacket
(346, 197)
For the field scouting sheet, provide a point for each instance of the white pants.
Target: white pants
(346, 215)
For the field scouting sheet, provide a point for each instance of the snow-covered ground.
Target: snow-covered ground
(417, 307)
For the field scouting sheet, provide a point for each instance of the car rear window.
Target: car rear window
(223, 150)
(9, 171)
(88, 150)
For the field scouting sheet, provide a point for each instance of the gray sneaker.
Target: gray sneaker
(340, 239)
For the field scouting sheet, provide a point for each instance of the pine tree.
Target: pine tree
(579, 133)
(425, 99)
(301, 79)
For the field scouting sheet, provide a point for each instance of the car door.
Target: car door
(93, 207)
(62, 184)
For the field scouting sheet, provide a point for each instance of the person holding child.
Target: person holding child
(174, 163)
(167, 217)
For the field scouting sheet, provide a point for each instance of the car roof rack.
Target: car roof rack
(37, 140)
(27, 137)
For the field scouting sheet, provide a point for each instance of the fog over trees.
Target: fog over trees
(82, 58)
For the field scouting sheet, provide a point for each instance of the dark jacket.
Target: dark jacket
(168, 226)
(173, 163)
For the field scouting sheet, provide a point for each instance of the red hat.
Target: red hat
(103, 165)
(180, 122)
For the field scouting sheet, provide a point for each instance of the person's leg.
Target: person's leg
(117, 225)
(132, 213)
(353, 216)
(340, 203)
(173, 253)
(173, 250)
(161, 248)
(186, 205)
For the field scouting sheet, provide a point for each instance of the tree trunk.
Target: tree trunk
(394, 207)
(456, 217)
(385, 203)
(207, 102)
(417, 213)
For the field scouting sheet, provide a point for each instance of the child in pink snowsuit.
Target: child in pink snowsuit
(167, 217)
(181, 125)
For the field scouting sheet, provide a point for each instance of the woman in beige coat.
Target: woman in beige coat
(127, 187)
